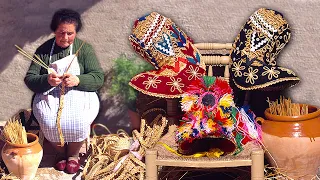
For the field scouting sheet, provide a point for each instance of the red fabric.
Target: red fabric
(72, 167)
(189, 51)
(169, 81)
(61, 165)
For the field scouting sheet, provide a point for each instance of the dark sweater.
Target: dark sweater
(91, 74)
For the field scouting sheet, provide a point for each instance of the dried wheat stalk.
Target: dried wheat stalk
(285, 107)
(14, 132)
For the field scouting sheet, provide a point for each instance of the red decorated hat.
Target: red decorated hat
(177, 61)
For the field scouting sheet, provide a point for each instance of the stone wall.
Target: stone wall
(107, 24)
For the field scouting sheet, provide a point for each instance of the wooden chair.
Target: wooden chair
(212, 60)
(255, 157)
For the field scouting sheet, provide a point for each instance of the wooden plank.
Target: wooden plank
(203, 164)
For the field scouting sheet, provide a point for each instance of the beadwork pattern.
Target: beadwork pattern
(254, 57)
(177, 61)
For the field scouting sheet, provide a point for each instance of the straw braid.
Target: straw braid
(61, 103)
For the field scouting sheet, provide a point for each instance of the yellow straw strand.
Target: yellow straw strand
(37, 61)
(285, 107)
(74, 57)
(32, 59)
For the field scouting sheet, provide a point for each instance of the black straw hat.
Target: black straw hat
(254, 63)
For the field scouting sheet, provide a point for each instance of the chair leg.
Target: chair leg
(257, 167)
(151, 167)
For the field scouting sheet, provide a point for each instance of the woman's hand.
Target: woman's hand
(54, 79)
(70, 80)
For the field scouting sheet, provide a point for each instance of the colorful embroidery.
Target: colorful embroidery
(256, 48)
(159, 41)
(287, 70)
(210, 113)
(271, 72)
(175, 84)
(194, 73)
(155, 32)
(208, 110)
(251, 75)
(165, 46)
(152, 81)
(237, 68)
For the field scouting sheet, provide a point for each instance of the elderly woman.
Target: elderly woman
(80, 74)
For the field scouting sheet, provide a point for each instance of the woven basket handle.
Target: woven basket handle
(101, 125)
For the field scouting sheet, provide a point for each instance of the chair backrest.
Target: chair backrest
(211, 58)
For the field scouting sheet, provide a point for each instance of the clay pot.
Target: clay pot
(293, 142)
(22, 160)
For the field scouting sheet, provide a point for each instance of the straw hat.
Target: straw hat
(255, 51)
(160, 42)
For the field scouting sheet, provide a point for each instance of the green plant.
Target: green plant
(124, 69)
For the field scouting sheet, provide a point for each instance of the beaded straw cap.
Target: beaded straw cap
(256, 47)
(160, 42)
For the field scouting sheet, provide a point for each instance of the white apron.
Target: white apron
(79, 111)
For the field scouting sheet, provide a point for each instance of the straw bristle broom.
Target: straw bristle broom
(38, 61)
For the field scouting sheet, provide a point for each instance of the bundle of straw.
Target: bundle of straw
(108, 153)
(285, 107)
(14, 132)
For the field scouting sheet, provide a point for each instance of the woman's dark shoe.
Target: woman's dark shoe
(61, 165)
(72, 167)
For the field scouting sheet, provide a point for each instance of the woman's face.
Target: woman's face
(65, 34)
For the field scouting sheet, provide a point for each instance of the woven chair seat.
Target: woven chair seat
(252, 155)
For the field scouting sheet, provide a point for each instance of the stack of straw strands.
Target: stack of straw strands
(14, 132)
(110, 151)
(285, 107)
(38, 61)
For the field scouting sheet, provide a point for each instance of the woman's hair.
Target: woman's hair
(66, 16)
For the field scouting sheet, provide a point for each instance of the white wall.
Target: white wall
(107, 24)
